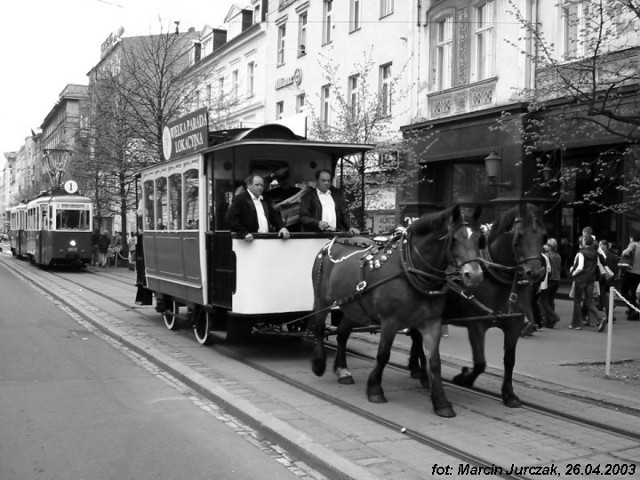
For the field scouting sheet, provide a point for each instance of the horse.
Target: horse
(513, 263)
(398, 286)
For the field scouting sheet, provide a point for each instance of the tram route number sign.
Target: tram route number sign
(70, 186)
(186, 135)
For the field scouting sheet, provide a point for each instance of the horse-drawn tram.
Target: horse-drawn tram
(54, 228)
(198, 270)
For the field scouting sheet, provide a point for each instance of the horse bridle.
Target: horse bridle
(514, 231)
(452, 261)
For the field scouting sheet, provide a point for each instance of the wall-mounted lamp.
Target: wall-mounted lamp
(493, 164)
(547, 172)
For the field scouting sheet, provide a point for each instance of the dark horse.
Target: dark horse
(400, 285)
(513, 262)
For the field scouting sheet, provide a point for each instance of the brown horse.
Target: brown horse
(401, 285)
(514, 262)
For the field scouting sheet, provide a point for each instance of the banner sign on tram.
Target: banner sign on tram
(186, 135)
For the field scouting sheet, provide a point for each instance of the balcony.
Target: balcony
(463, 99)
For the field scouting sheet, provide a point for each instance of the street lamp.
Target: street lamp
(493, 164)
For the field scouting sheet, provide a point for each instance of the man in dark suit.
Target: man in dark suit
(323, 209)
(250, 213)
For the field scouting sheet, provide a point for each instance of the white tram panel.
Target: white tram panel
(274, 275)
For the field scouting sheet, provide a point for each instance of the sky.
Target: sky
(47, 44)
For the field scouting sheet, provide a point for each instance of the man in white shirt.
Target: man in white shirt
(323, 209)
(251, 213)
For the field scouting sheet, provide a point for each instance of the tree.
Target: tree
(363, 114)
(135, 90)
(586, 87)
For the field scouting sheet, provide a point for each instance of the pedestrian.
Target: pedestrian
(323, 209)
(583, 272)
(131, 247)
(608, 269)
(551, 283)
(116, 247)
(95, 237)
(103, 248)
(629, 279)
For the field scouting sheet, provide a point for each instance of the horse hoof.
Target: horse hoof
(416, 374)
(377, 398)
(462, 380)
(513, 402)
(446, 412)
(425, 382)
(318, 367)
(347, 380)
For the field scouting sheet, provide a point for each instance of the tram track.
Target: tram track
(244, 356)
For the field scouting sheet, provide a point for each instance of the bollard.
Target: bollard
(607, 365)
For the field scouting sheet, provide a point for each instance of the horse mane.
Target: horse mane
(429, 222)
(505, 222)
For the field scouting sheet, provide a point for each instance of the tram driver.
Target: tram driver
(251, 213)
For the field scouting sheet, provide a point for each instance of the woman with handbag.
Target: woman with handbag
(630, 278)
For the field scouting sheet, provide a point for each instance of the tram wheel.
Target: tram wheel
(202, 327)
(171, 313)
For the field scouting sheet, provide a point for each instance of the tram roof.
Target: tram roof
(279, 135)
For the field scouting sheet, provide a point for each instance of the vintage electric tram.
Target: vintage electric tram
(55, 228)
(200, 273)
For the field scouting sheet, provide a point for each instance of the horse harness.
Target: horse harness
(374, 257)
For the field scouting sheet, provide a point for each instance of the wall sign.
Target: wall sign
(295, 79)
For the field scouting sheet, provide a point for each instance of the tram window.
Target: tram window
(191, 206)
(72, 219)
(175, 202)
(161, 217)
(44, 224)
(148, 205)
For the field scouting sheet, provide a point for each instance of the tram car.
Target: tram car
(55, 228)
(199, 272)
(17, 232)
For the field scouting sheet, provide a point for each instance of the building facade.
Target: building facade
(499, 117)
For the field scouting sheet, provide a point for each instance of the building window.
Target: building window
(386, 8)
(354, 15)
(353, 96)
(279, 110)
(250, 78)
(209, 95)
(571, 23)
(485, 43)
(327, 24)
(302, 34)
(444, 52)
(300, 101)
(282, 31)
(221, 89)
(234, 85)
(325, 94)
(385, 89)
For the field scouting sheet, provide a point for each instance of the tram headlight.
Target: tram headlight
(72, 243)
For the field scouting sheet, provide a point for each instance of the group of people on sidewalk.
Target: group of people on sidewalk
(594, 270)
(105, 247)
